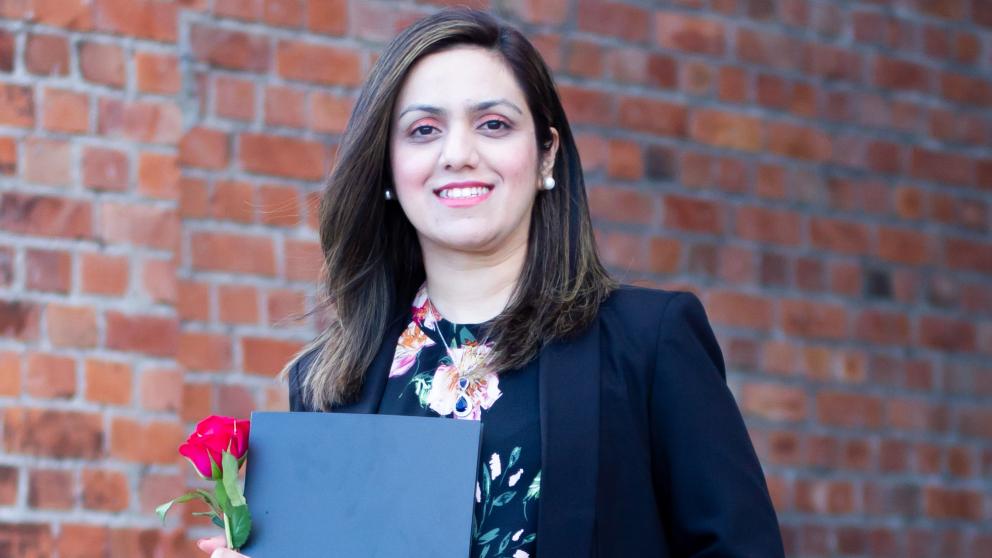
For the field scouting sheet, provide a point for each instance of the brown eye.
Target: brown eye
(495, 125)
(425, 129)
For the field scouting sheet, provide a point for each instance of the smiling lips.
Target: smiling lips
(463, 194)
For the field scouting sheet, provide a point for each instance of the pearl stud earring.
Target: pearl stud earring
(549, 183)
(388, 194)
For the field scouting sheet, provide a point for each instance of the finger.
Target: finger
(226, 553)
(211, 544)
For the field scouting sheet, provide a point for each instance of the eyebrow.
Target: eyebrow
(481, 106)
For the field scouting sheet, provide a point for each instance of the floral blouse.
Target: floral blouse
(426, 380)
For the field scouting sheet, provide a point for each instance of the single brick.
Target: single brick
(234, 253)
(48, 270)
(108, 382)
(71, 326)
(102, 63)
(204, 148)
(317, 63)
(66, 111)
(157, 73)
(283, 156)
(48, 161)
(266, 356)
(47, 55)
(106, 169)
(148, 334)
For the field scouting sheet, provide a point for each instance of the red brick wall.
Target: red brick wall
(818, 171)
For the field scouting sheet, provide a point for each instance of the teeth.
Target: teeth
(463, 192)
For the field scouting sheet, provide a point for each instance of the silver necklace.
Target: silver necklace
(463, 402)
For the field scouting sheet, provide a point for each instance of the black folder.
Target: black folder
(360, 486)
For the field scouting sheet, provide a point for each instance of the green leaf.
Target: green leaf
(164, 508)
(529, 538)
(504, 542)
(504, 498)
(534, 490)
(222, 499)
(240, 522)
(485, 552)
(422, 387)
(214, 467)
(231, 480)
(485, 482)
(488, 536)
(514, 455)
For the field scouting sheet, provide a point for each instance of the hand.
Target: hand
(214, 546)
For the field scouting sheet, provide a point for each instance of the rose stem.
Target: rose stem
(227, 532)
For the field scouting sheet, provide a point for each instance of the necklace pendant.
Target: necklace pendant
(463, 405)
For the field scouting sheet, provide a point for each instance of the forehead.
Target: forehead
(458, 77)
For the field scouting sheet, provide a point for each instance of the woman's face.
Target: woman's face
(465, 162)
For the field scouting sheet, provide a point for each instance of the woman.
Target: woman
(463, 282)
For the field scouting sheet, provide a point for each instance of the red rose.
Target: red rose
(213, 435)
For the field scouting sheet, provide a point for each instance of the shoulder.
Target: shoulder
(646, 309)
(298, 371)
(634, 321)
(301, 366)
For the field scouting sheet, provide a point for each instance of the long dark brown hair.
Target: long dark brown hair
(373, 263)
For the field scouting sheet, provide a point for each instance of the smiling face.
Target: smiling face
(465, 162)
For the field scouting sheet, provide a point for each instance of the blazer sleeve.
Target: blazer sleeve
(708, 481)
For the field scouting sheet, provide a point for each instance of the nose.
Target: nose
(459, 149)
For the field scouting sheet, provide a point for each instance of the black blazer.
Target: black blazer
(644, 451)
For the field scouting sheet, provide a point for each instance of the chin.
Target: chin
(464, 240)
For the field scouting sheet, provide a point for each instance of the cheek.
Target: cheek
(411, 167)
(517, 164)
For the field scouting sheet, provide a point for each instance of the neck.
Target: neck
(471, 288)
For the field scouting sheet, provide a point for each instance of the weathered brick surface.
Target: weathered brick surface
(820, 173)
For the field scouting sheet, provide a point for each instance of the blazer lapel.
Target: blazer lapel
(569, 398)
(378, 372)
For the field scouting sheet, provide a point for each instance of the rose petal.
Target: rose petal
(198, 457)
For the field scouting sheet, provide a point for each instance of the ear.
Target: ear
(548, 156)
